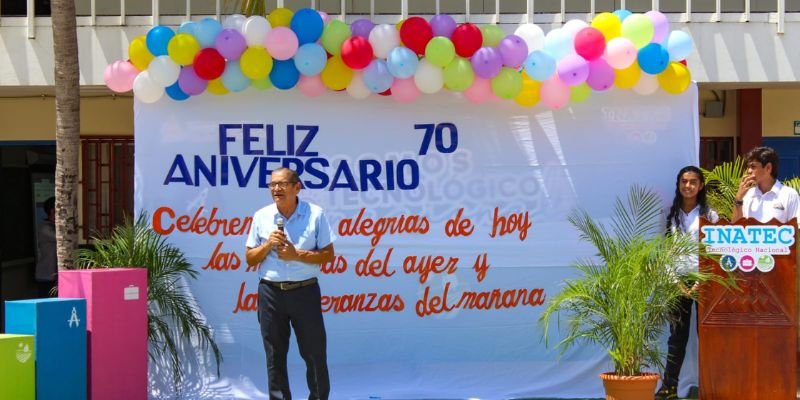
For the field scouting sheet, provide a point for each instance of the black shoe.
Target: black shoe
(694, 392)
(667, 393)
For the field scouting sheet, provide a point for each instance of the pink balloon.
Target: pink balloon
(590, 43)
(601, 75)
(480, 91)
(281, 43)
(311, 85)
(620, 53)
(573, 70)
(119, 76)
(660, 25)
(405, 90)
(325, 17)
(554, 93)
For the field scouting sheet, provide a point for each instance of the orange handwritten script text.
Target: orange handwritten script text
(376, 228)
(220, 261)
(357, 302)
(424, 265)
(486, 300)
(457, 226)
(363, 302)
(164, 222)
(502, 225)
(377, 267)
(336, 266)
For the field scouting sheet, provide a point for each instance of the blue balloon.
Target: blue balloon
(402, 62)
(187, 27)
(653, 58)
(558, 43)
(377, 76)
(233, 78)
(540, 65)
(284, 74)
(310, 59)
(622, 14)
(307, 24)
(679, 45)
(175, 93)
(158, 39)
(206, 31)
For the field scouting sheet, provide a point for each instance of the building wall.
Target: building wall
(779, 111)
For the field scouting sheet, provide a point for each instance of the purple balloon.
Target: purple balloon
(362, 27)
(443, 25)
(513, 50)
(487, 62)
(601, 75)
(190, 83)
(573, 69)
(660, 25)
(231, 44)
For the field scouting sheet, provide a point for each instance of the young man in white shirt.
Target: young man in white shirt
(761, 195)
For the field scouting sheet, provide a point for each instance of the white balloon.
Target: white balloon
(429, 78)
(234, 21)
(357, 88)
(532, 35)
(647, 85)
(574, 26)
(384, 38)
(146, 89)
(255, 29)
(164, 71)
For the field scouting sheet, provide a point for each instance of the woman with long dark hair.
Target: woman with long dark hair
(684, 215)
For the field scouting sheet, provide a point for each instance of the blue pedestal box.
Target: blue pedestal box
(59, 329)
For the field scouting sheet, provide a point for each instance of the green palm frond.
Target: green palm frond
(173, 316)
(722, 184)
(624, 297)
(793, 183)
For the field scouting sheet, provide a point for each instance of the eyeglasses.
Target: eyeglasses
(281, 185)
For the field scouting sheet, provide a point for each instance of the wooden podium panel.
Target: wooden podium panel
(748, 337)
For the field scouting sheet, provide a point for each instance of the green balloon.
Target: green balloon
(507, 84)
(440, 51)
(262, 84)
(458, 75)
(580, 93)
(334, 34)
(639, 29)
(492, 35)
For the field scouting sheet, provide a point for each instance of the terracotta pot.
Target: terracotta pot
(641, 387)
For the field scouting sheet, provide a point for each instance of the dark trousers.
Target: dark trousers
(678, 337)
(278, 312)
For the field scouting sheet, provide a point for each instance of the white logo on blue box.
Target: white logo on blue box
(73, 319)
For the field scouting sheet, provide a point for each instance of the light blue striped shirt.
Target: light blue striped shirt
(306, 229)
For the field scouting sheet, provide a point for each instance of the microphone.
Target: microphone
(279, 222)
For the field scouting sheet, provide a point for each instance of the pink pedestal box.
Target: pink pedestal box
(116, 314)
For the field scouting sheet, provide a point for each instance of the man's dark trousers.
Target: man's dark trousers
(300, 307)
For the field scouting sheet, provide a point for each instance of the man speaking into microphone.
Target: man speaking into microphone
(289, 240)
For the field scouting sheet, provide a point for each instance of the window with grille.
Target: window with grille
(107, 182)
(715, 151)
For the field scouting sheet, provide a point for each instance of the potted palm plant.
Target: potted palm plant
(174, 320)
(623, 297)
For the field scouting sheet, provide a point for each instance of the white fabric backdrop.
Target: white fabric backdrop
(515, 160)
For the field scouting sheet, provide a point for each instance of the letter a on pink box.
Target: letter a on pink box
(116, 313)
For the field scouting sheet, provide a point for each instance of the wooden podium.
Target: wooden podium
(748, 337)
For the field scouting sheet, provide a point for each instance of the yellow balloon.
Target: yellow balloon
(280, 17)
(138, 53)
(529, 95)
(675, 79)
(336, 75)
(256, 63)
(399, 24)
(182, 48)
(609, 24)
(628, 77)
(216, 87)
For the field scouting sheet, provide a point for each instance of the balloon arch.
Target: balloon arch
(308, 50)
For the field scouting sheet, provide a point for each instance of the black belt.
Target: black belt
(290, 285)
